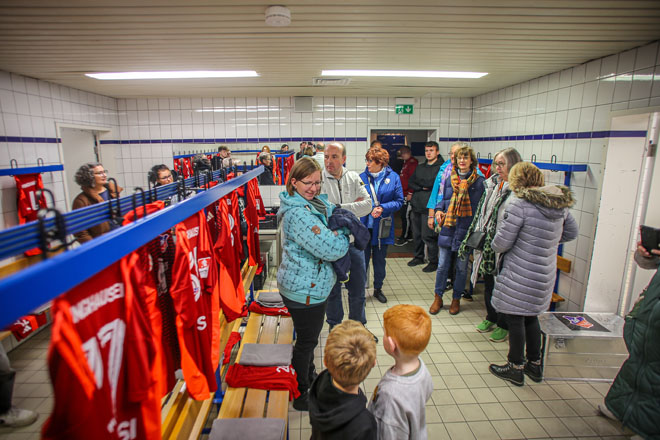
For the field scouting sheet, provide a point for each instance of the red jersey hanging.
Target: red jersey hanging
(28, 206)
(195, 296)
(100, 361)
(252, 218)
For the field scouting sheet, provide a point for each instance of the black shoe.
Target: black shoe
(400, 241)
(508, 372)
(449, 285)
(533, 371)
(468, 297)
(378, 294)
(415, 262)
(302, 402)
(430, 268)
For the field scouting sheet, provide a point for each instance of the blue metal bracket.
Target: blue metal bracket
(28, 289)
(31, 170)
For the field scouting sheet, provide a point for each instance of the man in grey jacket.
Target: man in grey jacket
(346, 190)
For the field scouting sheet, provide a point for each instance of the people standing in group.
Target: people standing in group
(409, 165)
(633, 398)
(320, 155)
(224, 151)
(461, 194)
(309, 151)
(345, 190)
(201, 163)
(284, 148)
(536, 220)
(384, 188)
(93, 181)
(489, 214)
(421, 183)
(266, 178)
(301, 151)
(305, 276)
(375, 144)
(160, 175)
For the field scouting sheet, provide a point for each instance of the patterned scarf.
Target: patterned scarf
(459, 205)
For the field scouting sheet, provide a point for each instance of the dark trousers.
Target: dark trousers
(307, 323)
(423, 235)
(405, 213)
(491, 313)
(355, 286)
(6, 381)
(524, 333)
(380, 270)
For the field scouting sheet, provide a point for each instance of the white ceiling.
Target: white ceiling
(513, 40)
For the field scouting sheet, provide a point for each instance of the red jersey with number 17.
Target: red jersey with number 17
(100, 361)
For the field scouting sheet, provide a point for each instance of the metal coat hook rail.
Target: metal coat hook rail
(46, 280)
(15, 170)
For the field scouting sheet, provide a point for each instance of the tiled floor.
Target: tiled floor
(467, 401)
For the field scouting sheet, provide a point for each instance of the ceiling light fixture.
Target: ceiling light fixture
(404, 73)
(174, 74)
(278, 16)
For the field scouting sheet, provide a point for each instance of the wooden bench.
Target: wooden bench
(563, 265)
(183, 417)
(248, 402)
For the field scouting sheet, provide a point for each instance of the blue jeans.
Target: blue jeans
(380, 270)
(355, 286)
(444, 262)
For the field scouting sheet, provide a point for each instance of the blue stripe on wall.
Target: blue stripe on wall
(36, 140)
(231, 141)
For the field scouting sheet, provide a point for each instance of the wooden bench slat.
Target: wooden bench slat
(285, 335)
(278, 405)
(268, 329)
(232, 404)
(564, 264)
(200, 421)
(255, 401)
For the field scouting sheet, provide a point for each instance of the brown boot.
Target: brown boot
(455, 306)
(436, 306)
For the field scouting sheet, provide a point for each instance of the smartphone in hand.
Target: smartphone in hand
(650, 237)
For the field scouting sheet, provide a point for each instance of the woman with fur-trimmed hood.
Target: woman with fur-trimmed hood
(535, 222)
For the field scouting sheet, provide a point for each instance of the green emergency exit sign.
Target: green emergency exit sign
(404, 109)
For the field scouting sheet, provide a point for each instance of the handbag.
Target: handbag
(385, 224)
(476, 240)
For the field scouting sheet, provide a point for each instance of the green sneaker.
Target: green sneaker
(499, 335)
(485, 326)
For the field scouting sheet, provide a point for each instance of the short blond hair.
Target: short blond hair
(350, 353)
(409, 326)
(305, 166)
(525, 175)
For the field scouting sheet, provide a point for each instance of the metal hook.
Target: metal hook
(533, 159)
(48, 236)
(40, 195)
(489, 156)
(13, 163)
(40, 162)
(115, 214)
(478, 155)
(144, 203)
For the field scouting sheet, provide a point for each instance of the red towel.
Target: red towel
(264, 378)
(271, 311)
(234, 337)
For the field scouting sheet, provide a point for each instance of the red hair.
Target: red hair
(378, 155)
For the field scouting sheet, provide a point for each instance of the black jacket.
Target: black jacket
(421, 182)
(344, 218)
(266, 178)
(335, 414)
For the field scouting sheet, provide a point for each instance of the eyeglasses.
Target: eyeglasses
(311, 184)
(499, 164)
(168, 177)
(101, 173)
(372, 161)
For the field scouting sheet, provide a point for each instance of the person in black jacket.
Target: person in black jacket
(266, 178)
(337, 405)
(421, 184)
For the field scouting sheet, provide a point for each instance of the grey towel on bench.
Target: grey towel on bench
(247, 429)
(266, 355)
(270, 299)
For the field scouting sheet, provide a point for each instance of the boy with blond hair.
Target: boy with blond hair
(401, 395)
(337, 405)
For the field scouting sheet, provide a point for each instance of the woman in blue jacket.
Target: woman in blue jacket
(388, 199)
(305, 275)
(460, 198)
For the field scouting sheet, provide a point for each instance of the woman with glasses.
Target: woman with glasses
(305, 275)
(93, 181)
(488, 216)
(384, 188)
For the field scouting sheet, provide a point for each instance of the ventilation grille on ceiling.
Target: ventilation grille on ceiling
(331, 81)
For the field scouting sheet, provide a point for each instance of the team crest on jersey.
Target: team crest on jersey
(203, 266)
(580, 321)
(162, 240)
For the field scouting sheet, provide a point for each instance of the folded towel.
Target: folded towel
(248, 428)
(266, 355)
(269, 297)
(269, 304)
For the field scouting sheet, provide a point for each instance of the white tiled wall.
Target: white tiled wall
(29, 109)
(579, 99)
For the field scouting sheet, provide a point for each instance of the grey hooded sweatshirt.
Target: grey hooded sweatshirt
(534, 223)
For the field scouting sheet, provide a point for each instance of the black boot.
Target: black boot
(533, 371)
(378, 294)
(509, 372)
(302, 402)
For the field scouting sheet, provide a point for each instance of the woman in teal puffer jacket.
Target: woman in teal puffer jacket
(305, 276)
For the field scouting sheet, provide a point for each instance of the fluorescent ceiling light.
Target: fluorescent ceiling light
(404, 73)
(175, 75)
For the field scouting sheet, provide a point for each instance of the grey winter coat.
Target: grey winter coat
(534, 223)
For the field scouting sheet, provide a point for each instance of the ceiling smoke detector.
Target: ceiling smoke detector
(331, 81)
(278, 16)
